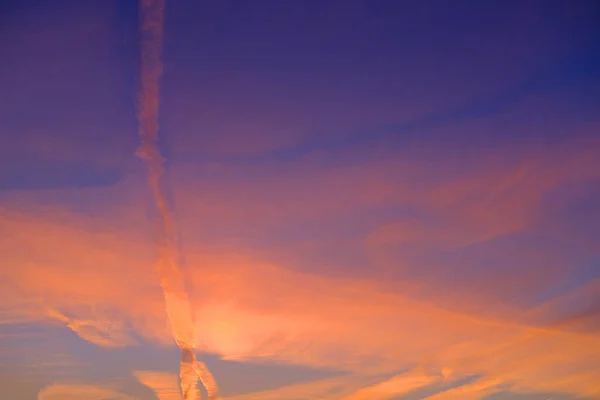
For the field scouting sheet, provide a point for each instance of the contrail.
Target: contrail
(177, 303)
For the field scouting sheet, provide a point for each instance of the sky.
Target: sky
(374, 200)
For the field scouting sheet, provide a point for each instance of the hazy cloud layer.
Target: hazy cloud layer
(402, 201)
(249, 307)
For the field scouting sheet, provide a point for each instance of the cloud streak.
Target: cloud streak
(70, 391)
(250, 305)
(171, 278)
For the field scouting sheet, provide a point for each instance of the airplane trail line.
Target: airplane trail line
(177, 303)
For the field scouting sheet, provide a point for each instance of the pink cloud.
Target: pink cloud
(94, 273)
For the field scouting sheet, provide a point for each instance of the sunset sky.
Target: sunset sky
(375, 199)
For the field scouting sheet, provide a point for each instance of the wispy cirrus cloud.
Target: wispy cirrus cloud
(418, 229)
(164, 384)
(325, 322)
(345, 204)
(68, 391)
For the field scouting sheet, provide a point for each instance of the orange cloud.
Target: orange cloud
(100, 329)
(164, 384)
(248, 310)
(395, 386)
(333, 388)
(94, 275)
(68, 391)
(478, 389)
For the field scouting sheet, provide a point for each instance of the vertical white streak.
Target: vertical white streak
(177, 303)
